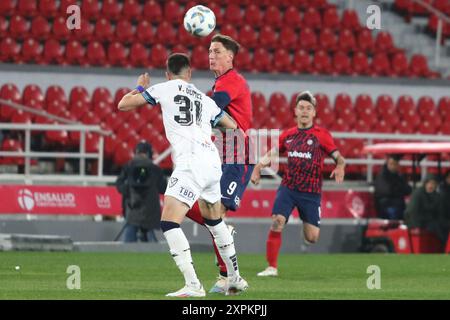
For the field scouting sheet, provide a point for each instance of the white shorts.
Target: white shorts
(188, 185)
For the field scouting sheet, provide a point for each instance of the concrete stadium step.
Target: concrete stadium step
(28, 242)
(114, 246)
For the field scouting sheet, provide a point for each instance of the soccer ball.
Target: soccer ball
(199, 21)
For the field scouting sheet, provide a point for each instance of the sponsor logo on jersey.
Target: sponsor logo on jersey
(303, 155)
(173, 181)
(187, 194)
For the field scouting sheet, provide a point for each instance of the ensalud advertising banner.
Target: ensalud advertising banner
(78, 200)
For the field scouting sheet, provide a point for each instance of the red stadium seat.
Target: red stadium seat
(95, 54)
(277, 101)
(91, 9)
(79, 93)
(400, 64)
(340, 125)
(139, 56)
(229, 30)
(9, 50)
(111, 10)
(248, 36)
(365, 41)
(243, 60)
(382, 126)
(56, 93)
(136, 121)
(292, 18)
(124, 32)
(312, 19)
(18, 27)
(64, 4)
(273, 17)
(27, 8)
(145, 33)
(117, 54)
(217, 9)
(173, 13)
(301, 62)
(8, 92)
(342, 102)
(287, 38)
(385, 107)
(322, 100)
(53, 52)
(328, 40)
(326, 116)
(331, 19)
(350, 20)
(186, 38)
(75, 53)
(253, 15)
(444, 107)
(418, 66)
(7, 7)
(31, 51)
(60, 30)
(32, 92)
(281, 61)
(40, 28)
(321, 63)
(341, 64)
(102, 94)
(405, 104)
(153, 12)
(104, 31)
(347, 40)
(3, 27)
(113, 121)
(426, 105)
(158, 56)
(132, 10)
(360, 63)
(258, 99)
(267, 37)
(233, 14)
(181, 48)
(262, 61)
(85, 33)
(200, 58)
(21, 117)
(380, 65)
(384, 42)
(307, 40)
(166, 34)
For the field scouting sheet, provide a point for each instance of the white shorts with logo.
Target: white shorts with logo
(188, 185)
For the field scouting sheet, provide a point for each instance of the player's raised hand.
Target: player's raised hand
(144, 80)
(338, 173)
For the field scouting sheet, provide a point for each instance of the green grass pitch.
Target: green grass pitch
(42, 275)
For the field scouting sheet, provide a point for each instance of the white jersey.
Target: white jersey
(187, 116)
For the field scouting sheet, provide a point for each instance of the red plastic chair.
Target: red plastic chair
(380, 65)
(273, 17)
(444, 107)
(3, 27)
(331, 19)
(200, 58)
(281, 61)
(292, 18)
(400, 64)
(321, 63)
(262, 61)
(287, 38)
(307, 40)
(124, 32)
(9, 50)
(347, 40)
(364, 108)
(132, 10)
(322, 101)
(53, 52)
(342, 102)
(301, 62)
(217, 9)
(233, 14)
(27, 8)
(384, 42)
(277, 101)
(418, 66)
(32, 92)
(60, 30)
(57, 93)
(426, 105)
(243, 60)
(166, 34)
(385, 107)
(22, 117)
(91, 9)
(8, 92)
(360, 63)
(365, 41)
(117, 54)
(248, 36)
(139, 56)
(95, 54)
(145, 33)
(40, 28)
(104, 30)
(79, 93)
(75, 53)
(229, 30)
(405, 104)
(18, 27)
(7, 7)
(382, 126)
(102, 94)
(341, 64)
(328, 40)
(253, 15)
(350, 20)
(267, 37)
(153, 12)
(31, 51)
(158, 56)
(173, 13)
(312, 19)
(111, 10)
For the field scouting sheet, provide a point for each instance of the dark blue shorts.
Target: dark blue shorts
(234, 181)
(307, 204)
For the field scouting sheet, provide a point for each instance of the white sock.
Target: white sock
(181, 253)
(225, 244)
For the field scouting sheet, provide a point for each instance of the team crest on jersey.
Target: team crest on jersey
(173, 181)
(237, 201)
(309, 142)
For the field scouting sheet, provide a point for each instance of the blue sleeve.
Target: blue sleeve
(149, 98)
(217, 118)
(222, 99)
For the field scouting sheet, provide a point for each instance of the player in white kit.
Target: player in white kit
(188, 115)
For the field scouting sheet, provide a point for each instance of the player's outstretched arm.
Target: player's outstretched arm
(134, 99)
(339, 171)
(263, 162)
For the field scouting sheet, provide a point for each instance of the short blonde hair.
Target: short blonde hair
(307, 96)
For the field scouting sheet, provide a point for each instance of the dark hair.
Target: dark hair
(228, 42)
(177, 62)
(144, 147)
(307, 96)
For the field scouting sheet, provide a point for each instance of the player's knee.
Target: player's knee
(278, 223)
(311, 238)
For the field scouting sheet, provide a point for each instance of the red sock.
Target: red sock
(195, 215)
(273, 248)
